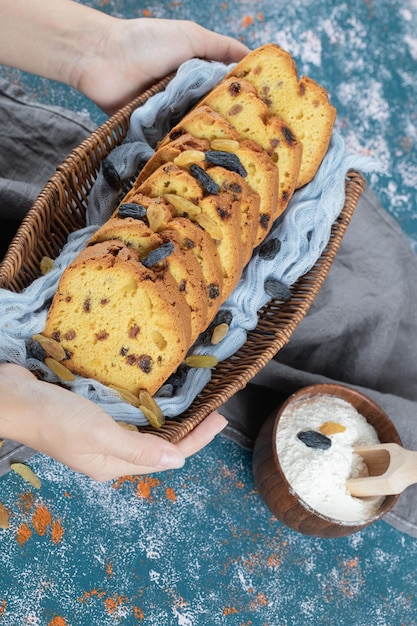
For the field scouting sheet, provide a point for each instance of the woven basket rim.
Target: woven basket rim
(60, 209)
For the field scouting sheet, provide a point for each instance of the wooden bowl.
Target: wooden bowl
(276, 491)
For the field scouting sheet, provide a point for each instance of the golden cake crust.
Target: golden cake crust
(301, 102)
(117, 321)
(237, 100)
(134, 233)
(194, 238)
(261, 173)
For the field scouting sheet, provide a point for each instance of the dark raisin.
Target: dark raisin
(166, 391)
(132, 209)
(133, 331)
(124, 351)
(314, 439)
(208, 183)
(35, 351)
(102, 335)
(223, 317)
(234, 188)
(111, 175)
(56, 335)
(131, 359)
(175, 134)
(87, 305)
(235, 88)
(270, 249)
(289, 137)
(227, 160)
(276, 289)
(188, 243)
(222, 213)
(145, 363)
(264, 220)
(178, 378)
(182, 285)
(159, 254)
(213, 291)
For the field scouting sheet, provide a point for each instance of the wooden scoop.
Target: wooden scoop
(391, 469)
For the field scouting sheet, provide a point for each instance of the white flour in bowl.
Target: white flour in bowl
(319, 475)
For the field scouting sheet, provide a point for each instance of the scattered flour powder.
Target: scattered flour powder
(317, 475)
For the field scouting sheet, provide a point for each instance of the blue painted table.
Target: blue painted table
(197, 546)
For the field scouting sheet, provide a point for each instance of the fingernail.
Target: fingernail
(171, 459)
(222, 424)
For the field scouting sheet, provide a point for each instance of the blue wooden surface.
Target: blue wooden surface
(197, 546)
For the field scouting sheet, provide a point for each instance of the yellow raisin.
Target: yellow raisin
(60, 370)
(156, 217)
(159, 340)
(225, 145)
(201, 360)
(51, 347)
(46, 265)
(127, 426)
(219, 333)
(331, 428)
(27, 474)
(209, 226)
(126, 395)
(189, 156)
(153, 414)
(149, 403)
(182, 205)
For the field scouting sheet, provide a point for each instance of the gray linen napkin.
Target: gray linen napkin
(34, 139)
(361, 329)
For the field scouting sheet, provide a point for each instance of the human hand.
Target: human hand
(108, 59)
(133, 54)
(77, 433)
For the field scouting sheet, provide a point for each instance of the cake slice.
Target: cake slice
(202, 122)
(118, 321)
(188, 274)
(246, 205)
(216, 211)
(169, 179)
(220, 218)
(155, 212)
(301, 103)
(133, 232)
(170, 151)
(260, 172)
(193, 237)
(262, 176)
(238, 102)
(179, 263)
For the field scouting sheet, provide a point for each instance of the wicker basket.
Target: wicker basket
(60, 210)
